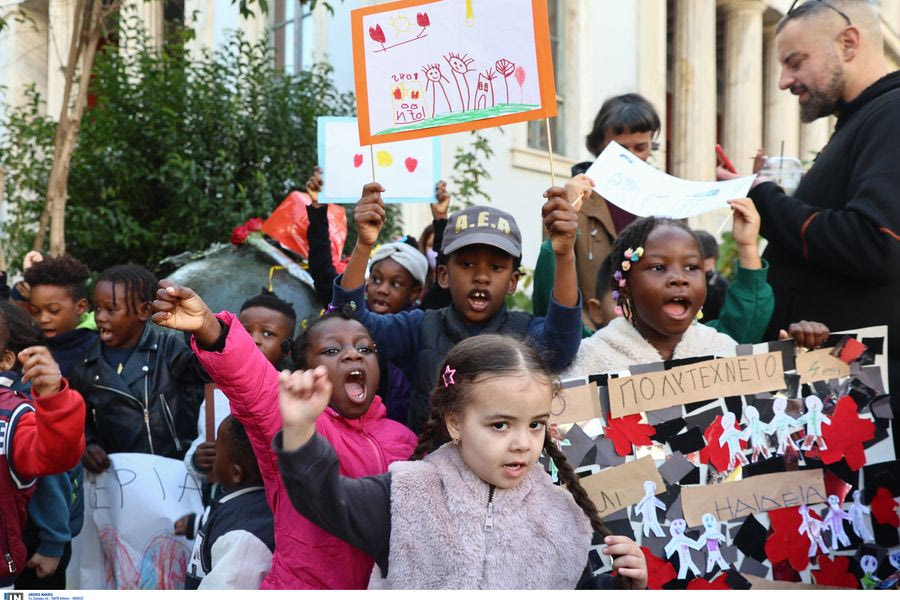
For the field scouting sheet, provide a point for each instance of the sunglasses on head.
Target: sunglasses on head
(840, 12)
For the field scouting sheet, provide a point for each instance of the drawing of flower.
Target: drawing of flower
(377, 34)
(505, 68)
(520, 79)
(422, 19)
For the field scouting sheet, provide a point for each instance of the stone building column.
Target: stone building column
(694, 102)
(652, 72)
(782, 112)
(742, 78)
(150, 13)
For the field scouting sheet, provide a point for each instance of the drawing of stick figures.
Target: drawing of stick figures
(682, 544)
(781, 424)
(812, 527)
(647, 506)
(460, 65)
(712, 537)
(858, 510)
(755, 433)
(436, 79)
(732, 438)
(813, 419)
(834, 521)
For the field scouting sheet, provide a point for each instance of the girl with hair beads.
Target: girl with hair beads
(475, 512)
(352, 419)
(659, 287)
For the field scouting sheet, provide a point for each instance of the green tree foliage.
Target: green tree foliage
(26, 151)
(174, 152)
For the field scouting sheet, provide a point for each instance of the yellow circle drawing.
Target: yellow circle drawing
(384, 158)
(401, 25)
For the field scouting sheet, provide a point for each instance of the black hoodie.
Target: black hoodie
(834, 247)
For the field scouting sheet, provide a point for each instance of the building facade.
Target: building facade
(709, 66)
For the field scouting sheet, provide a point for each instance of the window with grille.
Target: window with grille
(537, 130)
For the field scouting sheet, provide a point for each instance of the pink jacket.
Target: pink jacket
(306, 557)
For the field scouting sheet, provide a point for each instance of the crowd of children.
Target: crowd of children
(402, 451)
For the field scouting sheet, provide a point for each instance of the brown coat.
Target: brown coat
(592, 246)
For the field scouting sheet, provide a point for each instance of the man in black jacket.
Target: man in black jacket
(834, 246)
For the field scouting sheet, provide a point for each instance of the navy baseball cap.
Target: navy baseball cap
(482, 225)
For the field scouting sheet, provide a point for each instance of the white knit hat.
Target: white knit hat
(406, 256)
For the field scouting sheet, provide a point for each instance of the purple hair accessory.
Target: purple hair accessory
(335, 308)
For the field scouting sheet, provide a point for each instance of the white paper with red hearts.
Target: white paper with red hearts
(408, 170)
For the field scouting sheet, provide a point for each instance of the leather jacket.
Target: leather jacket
(152, 406)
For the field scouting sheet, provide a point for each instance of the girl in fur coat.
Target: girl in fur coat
(475, 513)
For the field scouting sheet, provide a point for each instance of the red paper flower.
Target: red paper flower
(834, 572)
(786, 542)
(422, 19)
(659, 571)
(716, 584)
(714, 452)
(884, 508)
(846, 434)
(377, 34)
(626, 431)
(240, 233)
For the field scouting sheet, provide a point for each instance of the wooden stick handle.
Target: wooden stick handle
(550, 152)
(209, 395)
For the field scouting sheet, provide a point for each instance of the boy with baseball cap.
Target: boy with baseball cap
(483, 247)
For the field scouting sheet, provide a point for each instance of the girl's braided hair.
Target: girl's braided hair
(635, 236)
(483, 357)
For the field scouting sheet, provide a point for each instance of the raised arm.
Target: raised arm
(233, 361)
(321, 266)
(354, 510)
(50, 438)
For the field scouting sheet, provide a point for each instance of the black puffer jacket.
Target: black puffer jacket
(152, 406)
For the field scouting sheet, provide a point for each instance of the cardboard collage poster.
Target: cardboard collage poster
(407, 170)
(771, 469)
(432, 67)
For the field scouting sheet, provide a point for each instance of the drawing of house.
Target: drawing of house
(409, 102)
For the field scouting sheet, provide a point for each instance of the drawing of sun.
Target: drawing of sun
(401, 25)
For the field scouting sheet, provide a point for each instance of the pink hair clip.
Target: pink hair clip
(448, 376)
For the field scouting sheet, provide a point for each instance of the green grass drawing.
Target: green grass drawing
(463, 117)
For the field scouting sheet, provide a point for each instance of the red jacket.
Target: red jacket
(41, 438)
(306, 557)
